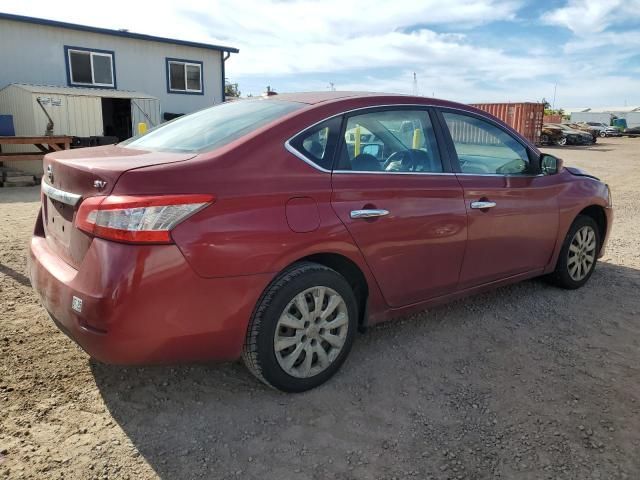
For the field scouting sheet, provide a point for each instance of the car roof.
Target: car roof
(313, 98)
(317, 98)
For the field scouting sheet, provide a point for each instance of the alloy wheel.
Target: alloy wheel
(582, 253)
(311, 332)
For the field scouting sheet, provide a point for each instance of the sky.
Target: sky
(586, 51)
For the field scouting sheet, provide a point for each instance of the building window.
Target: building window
(93, 68)
(184, 76)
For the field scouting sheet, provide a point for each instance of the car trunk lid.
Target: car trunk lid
(73, 175)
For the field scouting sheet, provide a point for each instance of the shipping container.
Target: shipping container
(525, 118)
(552, 119)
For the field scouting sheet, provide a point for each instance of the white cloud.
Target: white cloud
(588, 17)
(375, 45)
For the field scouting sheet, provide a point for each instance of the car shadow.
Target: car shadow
(16, 275)
(218, 421)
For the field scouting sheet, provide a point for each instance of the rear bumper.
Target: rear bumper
(144, 304)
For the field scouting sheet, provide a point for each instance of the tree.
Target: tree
(231, 89)
(549, 111)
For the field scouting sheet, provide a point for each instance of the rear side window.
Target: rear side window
(318, 143)
(213, 127)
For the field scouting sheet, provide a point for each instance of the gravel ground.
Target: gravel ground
(525, 382)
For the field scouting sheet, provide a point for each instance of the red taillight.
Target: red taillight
(137, 219)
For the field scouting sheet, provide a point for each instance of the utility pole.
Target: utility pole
(332, 86)
(553, 105)
(414, 90)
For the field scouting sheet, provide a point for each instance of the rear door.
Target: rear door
(396, 195)
(512, 209)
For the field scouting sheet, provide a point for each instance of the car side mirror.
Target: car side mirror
(549, 164)
(372, 149)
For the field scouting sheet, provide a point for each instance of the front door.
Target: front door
(512, 209)
(403, 207)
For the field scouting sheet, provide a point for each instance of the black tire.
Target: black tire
(259, 352)
(562, 141)
(603, 133)
(561, 276)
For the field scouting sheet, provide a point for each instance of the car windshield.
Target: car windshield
(213, 127)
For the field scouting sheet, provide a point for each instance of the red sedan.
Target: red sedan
(273, 229)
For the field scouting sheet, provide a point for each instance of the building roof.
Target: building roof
(614, 109)
(80, 91)
(607, 110)
(115, 33)
(576, 109)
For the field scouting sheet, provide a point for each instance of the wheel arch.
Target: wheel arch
(596, 212)
(351, 272)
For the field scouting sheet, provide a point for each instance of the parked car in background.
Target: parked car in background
(585, 128)
(573, 136)
(253, 230)
(632, 131)
(603, 129)
(551, 135)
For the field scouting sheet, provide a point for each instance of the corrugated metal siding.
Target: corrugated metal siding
(85, 116)
(465, 132)
(72, 115)
(16, 102)
(525, 118)
(56, 107)
(152, 109)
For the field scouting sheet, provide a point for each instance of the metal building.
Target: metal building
(185, 76)
(606, 114)
(97, 81)
(80, 112)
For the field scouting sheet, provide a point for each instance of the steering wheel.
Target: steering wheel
(407, 158)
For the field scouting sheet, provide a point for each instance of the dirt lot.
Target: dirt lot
(526, 382)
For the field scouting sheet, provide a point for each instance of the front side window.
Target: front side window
(485, 149)
(184, 76)
(390, 141)
(213, 127)
(90, 67)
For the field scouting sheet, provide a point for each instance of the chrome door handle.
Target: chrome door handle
(368, 213)
(482, 205)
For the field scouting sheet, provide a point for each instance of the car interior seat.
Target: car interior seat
(365, 163)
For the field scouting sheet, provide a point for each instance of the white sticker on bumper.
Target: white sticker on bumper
(76, 304)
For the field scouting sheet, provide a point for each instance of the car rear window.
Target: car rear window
(213, 127)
